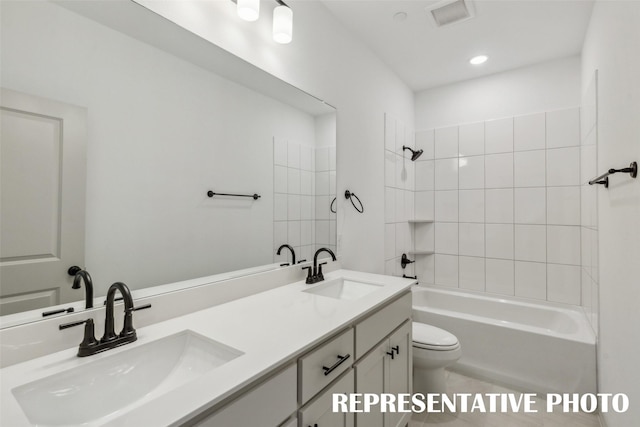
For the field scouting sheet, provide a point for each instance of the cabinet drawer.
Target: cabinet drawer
(371, 330)
(319, 412)
(266, 405)
(324, 364)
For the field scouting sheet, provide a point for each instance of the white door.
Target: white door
(42, 204)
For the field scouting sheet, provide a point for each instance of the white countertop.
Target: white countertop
(271, 328)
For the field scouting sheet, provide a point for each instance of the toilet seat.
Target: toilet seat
(429, 337)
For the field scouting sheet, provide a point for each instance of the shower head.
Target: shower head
(414, 153)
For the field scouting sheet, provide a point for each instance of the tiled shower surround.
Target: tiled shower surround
(304, 185)
(504, 197)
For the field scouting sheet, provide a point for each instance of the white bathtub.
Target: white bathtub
(538, 347)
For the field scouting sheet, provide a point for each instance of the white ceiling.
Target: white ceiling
(513, 33)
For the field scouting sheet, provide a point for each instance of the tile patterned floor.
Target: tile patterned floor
(457, 383)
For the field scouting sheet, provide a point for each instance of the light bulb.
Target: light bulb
(282, 24)
(249, 10)
(477, 60)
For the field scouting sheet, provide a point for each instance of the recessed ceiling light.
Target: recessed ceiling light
(477, 60)
(400, 16)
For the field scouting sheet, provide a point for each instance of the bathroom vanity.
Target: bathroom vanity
(271, 359)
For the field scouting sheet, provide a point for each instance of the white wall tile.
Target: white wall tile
(306, 233)
(333, 233)
(279, 233)
(531, 243)
(280, 153)
(322, 207)
(280, 179)
(390, 267)
(424, 237)
(500, 276)
(498, 170)
(563, 166)
(410, 178)
(401, 131)
(409, 204)
(446, 270)
(424, 175)
(305, 158)
(332, 182)
(389, 241)
(332, 158)
(446, 142)
(471, 206)
(471, 139)
(322, 233)
(446, 241)
(306, 182)
(529, 168)
(471, 273)
(401, 215)
(424, 268)
(424, 204)
(389, 204)
(499, 206)
(389, 132)
(471, 237)
(563, 244)
(401, 171)
(563, 283)
(563, 128)
(293, 155)
(293, 233)
(588, 163)
(529, 132)
(446, 206)
(389, 168)
(425, 142)
(531, 280)
(471, 172)
(446, 174)
(306, 207)
(402, 245)
(530, 205)
(293, 207)
(563, 205)
(499, 241)
(322, 183)
(499, 136)
(280, 207)
(322, 159)
(293, 181)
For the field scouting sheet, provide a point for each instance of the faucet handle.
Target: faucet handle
(89, 339)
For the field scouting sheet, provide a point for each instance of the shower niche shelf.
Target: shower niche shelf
(420, 252)
(421, 221)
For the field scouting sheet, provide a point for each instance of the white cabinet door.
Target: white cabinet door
(371, 377)
(43, 174)
(400, 370)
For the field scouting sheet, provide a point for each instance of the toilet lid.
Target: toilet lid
(430, 337)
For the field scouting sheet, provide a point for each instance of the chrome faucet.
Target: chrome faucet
(80, 275)
(317, 275)
(109, 340)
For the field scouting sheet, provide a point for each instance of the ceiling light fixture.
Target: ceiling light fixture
(477, 60)
(282, 23)
(249, 10)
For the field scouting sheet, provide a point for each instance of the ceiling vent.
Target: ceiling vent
(449, 12)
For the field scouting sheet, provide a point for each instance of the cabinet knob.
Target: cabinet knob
(391, 353)
(396, 349)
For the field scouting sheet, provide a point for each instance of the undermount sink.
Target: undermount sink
(344, 289)
(111, 385)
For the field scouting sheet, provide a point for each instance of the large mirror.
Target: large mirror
(116, 124)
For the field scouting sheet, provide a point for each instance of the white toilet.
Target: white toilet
(433, 350)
